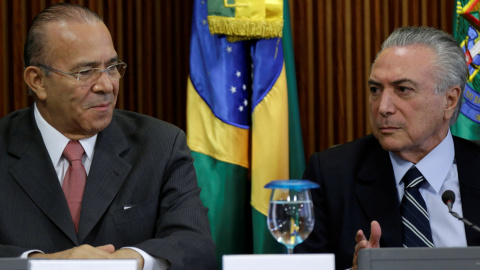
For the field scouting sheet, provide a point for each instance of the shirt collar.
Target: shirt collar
(56, 141)
(434, 166)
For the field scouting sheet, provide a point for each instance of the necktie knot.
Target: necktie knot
(73, 151)
(413, 178)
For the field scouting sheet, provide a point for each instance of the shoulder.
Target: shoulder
(467, 145)
(15, 116)
(143, 125)
(9, 123)
(144, 134)
(464, 146)
(351, 150)
(344, 161)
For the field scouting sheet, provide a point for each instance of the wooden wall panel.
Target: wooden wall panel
(335, 43)
(4, 93)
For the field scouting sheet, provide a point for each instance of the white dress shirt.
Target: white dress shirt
(55, 143)
(440, 171)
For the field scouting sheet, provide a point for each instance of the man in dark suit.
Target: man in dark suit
(140, 195)
(416, 83)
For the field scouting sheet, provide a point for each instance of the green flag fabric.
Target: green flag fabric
(466, 30)
(243, 127)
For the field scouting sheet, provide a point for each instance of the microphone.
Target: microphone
(448, 198)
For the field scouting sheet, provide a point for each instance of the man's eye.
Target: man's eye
(373, 89)
(403, 89)
(112, 70)
(84, 73)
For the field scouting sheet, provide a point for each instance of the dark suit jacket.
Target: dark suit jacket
(358, 186)
(141, 191)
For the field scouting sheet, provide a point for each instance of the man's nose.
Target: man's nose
(103, 84)
(387, 103)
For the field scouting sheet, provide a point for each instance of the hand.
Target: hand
(89, 252)
(373, 242)
(127, 253)
(81, 252)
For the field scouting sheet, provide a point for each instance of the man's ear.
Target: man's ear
(452, 97)
(33, 77)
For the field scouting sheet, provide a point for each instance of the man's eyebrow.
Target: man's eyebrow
(112, 60)
(373, 82)
(93, 63)
(84, 64)
(396, 82)
(405, 80)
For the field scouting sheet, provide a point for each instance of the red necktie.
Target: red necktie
(74, 181)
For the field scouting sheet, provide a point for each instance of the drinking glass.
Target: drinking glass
(290, 213)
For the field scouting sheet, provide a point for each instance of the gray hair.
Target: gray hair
(450, 65)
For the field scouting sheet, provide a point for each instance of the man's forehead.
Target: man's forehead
(67, 34)
(407, 51)
(403, 60)
(61, 34)
(401, 51)
(80, 42)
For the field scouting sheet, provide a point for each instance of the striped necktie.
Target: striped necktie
(416, 224)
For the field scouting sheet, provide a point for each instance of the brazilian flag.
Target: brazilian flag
(466, 30)
(242, 118)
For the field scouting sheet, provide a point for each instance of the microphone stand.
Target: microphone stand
(468, 223)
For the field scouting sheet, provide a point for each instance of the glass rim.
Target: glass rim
(76, 76)
(295, 184)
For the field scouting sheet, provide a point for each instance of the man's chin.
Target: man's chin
(389, 143)
(99, 124)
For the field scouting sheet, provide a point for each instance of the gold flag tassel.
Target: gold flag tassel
(253, 19)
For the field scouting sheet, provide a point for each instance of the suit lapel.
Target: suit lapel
(36, 175)
(106, 176)
(372, 186)
(377, 195)
(467, 161)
